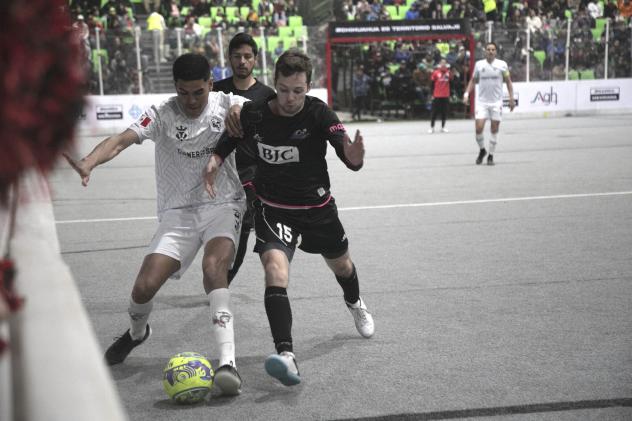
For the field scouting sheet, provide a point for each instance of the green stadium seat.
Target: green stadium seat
(392, 11)
(587, 74)
(540, 55)
(272, 42)
(299, 31)
(205, 21)
(232, 14)
(105, 60)
(402, 12)
(184, 12)
(294, 21)
(573, 74)
(285, 31)
(568, 13)
(446, 9)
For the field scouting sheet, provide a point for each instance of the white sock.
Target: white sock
(480, 139)
(492, 143)
(222, 328)
(138, 316)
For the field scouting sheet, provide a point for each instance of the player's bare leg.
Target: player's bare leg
(494, 128)
(218, 255)
(347, 277)
(153, 273)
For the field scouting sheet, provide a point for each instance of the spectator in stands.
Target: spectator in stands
(192, 32)
(265, 7)
(413, 12)
(594, 10)
(151, 5)
(83, 32)
(533, 21)
(421, 82)
(360, 92)
(156, 22)
(252, 18)
(279, 18)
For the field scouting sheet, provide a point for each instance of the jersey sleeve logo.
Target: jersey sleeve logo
(339, 127)
(144, 120)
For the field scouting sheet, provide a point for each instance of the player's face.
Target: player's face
(490, 52)
(291, 91)
(242, 61)
(193, 95)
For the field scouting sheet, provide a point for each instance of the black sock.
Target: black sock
(280, 317)
(350, 286)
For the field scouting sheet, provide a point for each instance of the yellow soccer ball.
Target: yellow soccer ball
(188, 377)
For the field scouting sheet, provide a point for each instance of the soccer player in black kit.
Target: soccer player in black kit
(242, 55)
(290, 132)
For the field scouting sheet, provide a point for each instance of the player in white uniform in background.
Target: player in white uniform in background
(490, 73)
(185, 130)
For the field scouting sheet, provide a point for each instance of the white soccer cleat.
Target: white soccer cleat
(362, 317)
(444, 130)
(283, 368)
(228, 380)
(431, 130)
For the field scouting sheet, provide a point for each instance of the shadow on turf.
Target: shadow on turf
(501, 410)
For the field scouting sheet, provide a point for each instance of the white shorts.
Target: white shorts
(181, 232)
(492, 112)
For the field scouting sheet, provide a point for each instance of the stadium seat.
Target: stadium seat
(299, 31)
(597, 31)
(540, 55)
(95, 58)
(285, 31)
(587, 74)
(446, 9)
(392, 11)
(232, 14)
(243, 11)
(402, 12)
(573, 74)
(214, 10)
(568, 13)
(294, 21)
(205, 21)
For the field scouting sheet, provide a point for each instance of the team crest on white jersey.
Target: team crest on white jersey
(181, 133)
(216, 124)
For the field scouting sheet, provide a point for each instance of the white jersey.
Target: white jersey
(490, 77)
(182, 149)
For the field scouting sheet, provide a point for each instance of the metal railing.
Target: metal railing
(558, 50)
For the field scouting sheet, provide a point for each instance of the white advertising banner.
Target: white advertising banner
(542, 99)
(109, 114)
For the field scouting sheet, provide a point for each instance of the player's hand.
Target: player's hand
(212, 169)
(354, 151)
(466, 99)
(233, 123)
(512, 104)
(81, 167)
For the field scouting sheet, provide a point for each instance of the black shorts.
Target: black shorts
(248, 219)
(316, 230)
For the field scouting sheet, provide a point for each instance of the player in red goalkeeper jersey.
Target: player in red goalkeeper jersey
(441, 78)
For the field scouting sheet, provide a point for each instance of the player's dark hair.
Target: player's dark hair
(491, 43)
(191, 66)
(293, 61)
(242, 39)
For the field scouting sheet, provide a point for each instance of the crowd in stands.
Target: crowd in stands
(396, 69)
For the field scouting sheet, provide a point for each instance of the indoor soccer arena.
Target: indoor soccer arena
(494, 289)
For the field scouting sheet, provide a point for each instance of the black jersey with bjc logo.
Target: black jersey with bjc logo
(291, 165)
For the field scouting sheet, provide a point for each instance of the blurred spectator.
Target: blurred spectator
(151, 5)
(192, 32)
(156, 23)
(359, 91)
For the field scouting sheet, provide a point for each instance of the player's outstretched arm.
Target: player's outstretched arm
(103, 152)
(232, 121)
(212, 169)
(354, 151)
(512, 102)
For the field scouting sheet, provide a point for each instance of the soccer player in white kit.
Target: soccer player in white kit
(185, 129)
(490, 73)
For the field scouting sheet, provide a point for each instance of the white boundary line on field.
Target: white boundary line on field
(401, 205)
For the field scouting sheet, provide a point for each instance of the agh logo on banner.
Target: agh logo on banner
(604, 94)
(546, 98)
(506, 99)
(109, 112)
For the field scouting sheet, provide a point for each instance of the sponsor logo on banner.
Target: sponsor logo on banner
(604, 94)
(135, 111)
(109, 112)
(546, 98)
(506, 99)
